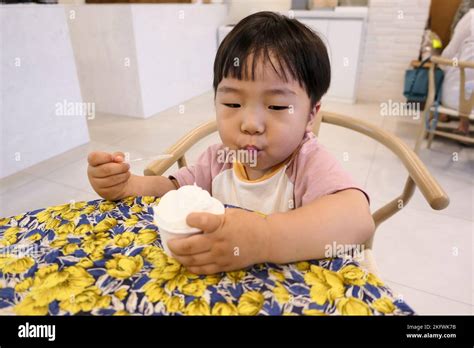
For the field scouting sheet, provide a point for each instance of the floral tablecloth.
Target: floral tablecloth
(105, 258)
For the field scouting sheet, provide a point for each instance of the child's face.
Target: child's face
(268, 113)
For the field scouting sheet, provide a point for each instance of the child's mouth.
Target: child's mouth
(252, 149)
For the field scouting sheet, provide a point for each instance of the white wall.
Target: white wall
(137, 60)
(37, 71)
(175, 46)
(394, 33)
(103, 40)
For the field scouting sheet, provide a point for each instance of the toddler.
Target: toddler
(270, 73)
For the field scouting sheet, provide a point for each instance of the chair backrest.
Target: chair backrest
(418, 174)
(179, 149)
(317, 123)
(466, 104)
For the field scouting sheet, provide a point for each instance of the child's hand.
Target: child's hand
(231, 241)
(108, 174)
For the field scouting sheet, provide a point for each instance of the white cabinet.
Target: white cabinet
(320, 26)
(343, 39)
(222, 32)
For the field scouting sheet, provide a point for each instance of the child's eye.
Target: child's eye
(233, 106)
(277, 108)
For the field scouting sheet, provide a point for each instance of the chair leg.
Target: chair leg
(420, 138)
(433, 125)
(430, 139)
(422, 131)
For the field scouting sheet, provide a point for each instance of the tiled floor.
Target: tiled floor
(426, 256)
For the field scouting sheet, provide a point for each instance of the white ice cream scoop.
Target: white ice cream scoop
(171, 212)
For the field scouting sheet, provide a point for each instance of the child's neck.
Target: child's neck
(254, 174)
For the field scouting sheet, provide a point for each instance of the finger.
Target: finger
(97, 158)
(208, 269)
(206, 222)
(194, 260)
(113, 180)
(118, 156)
(108, 169)
(191, 245)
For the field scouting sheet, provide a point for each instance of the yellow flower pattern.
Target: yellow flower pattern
(14, 265)
(123, 267)
(106, 258)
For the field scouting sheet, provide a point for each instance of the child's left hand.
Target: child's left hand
(231, 241)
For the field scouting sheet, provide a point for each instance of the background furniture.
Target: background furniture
(466, 104)
(441, 16)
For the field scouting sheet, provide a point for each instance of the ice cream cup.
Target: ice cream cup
(171, 212)
(167, 233)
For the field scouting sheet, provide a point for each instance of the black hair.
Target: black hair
(296, 48)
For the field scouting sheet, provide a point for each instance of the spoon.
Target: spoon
(159, 157)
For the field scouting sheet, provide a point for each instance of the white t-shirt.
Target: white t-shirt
(311, 172)
(461, 47)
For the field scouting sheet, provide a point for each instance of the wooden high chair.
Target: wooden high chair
(465, 104)
(418, 174)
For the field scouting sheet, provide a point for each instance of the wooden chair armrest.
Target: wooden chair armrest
(178, 150)
(445, 61)
(429, 187)
(417, 171)
(466, 104)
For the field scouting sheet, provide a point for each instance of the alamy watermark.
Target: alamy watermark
(20, 250)
(392, 108)
(68, 108)
(243, 156)
(341, 250)
(37, 331)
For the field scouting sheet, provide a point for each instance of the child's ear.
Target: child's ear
(312, 116)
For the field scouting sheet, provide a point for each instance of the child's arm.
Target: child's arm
(110, 177)
(304, 233)
(148, 186)
(240, 238)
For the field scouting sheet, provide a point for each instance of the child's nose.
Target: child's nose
(252, 124)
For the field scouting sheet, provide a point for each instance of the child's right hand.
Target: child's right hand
(109, 175)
